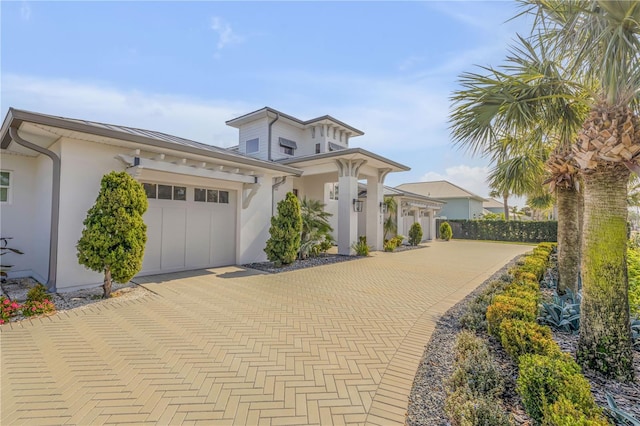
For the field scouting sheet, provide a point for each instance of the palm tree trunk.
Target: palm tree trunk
(505, 198)
(605, 335)
(568, 200)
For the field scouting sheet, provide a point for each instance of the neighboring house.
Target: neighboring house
(413, 208)
(208, 206)
(460, 203)
(493, 206)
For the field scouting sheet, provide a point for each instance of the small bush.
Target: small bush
(523, 337)
(8, 309)
(415, 234)
(390, 245)
(34, 307)
(544, 379)
(446, 233)
(565, 413)
(38, 293)
(286, 227)
(361, 248)
(399, 239)
(476, 316)
(505, 307)
(465, 410)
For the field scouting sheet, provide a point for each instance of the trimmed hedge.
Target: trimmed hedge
(501, 230)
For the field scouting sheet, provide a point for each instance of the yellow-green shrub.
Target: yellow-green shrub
(565, 413)
(525, 337)
(544, 379)
(505, 307)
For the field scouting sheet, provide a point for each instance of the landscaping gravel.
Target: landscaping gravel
(300, 264)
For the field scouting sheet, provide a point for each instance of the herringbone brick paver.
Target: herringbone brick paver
(337, 344)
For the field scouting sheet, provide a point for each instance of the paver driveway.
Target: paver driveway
(333, 344)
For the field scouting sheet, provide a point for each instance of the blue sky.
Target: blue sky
(387, 68)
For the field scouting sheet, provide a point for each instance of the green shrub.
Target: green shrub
(8, 309)
(500, 230)
(524, 337)
(390, 245)
(415, 234)
(399, 239)
(475, 318)
(465, 410)
(475, 367)
(565, 413)
(361, 248)
(114, 235)
(38, 293)
(446, 233)
(544, 379)
(505, 307)
(35, 307)
(286, 227)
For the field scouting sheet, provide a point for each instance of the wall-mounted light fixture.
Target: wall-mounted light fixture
(357, 205)
(383, 207)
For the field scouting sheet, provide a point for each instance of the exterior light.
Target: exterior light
(357, 205)
(383, 207)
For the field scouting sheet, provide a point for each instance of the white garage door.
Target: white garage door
(189, 228)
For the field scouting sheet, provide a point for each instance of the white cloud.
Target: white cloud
(473, 179)
(25, 11)
(203, 121)
(226, 35)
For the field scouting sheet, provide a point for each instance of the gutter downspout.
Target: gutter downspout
(269, 139)
(55, 206)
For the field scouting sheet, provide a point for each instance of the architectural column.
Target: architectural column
(375, 196)
(432, 225)
(399, 219)
(348, 191)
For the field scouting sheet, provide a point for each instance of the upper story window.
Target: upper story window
(287, 146)
(5, 186)
(252, 145)
(317, 148)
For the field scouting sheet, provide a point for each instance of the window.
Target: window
(165, 192)
(253, 145)
(333, 191)
(211, 196)
(286, 146)
(317, 148)
(313, 132)
(150, 189)
(5, 186)
(295, 192)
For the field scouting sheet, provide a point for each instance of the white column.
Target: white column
(399, 218)
(375, 196)
(347, 217)
(432, 226)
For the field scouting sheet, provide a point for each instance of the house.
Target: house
(492, 205)
(460, 203)
(208, 206)
(412, 208)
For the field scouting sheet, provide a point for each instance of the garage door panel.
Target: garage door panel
(223, 235)
(173, 237)
(153, 249)
(198, 250)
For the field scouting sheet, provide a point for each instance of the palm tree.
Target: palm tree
(390, 225)
(600, 40)
(315, 226)
(529, 96)
(540, 202)
(495, 193)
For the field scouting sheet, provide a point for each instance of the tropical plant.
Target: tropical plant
(315, 236)
(286, 227)
(599, 41)
(114, 234)
(5, 249)
(618, 415)
(415, 234)
(446, 233)
(8, 309)
(390, 226)
(525, 108)
(361, 247)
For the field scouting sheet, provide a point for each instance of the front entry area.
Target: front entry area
(189, 228)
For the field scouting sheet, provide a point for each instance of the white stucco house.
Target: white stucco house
(460, 202)
(208, 206)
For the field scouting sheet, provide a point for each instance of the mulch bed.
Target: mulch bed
(427, 398)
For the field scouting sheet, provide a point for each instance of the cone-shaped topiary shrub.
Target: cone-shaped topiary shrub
(283, 246)
(446, 233)
(114, 234)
